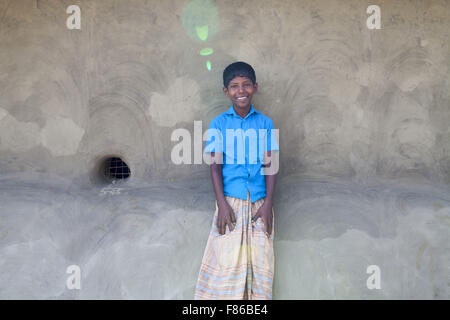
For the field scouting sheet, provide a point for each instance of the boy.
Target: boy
(238, 263)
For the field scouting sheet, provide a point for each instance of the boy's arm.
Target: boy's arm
(225, 215)
(217, 179)
(270, 170)
(270, 187)
(271, 165)
(265, 211)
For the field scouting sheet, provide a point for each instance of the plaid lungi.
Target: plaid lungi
(238, 265)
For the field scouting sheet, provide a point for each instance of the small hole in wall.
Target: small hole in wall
(114, 168)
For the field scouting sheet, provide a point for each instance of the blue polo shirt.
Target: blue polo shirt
(243, 142)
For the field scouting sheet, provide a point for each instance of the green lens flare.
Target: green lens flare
(200, 19)
(202, 32)
(206, 51)
(201, 22)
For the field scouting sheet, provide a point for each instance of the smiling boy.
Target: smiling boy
(238, 262)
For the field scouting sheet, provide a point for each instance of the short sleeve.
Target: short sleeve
(272, 137)
(214, 138)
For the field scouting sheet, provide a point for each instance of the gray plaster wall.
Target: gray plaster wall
(364, 119)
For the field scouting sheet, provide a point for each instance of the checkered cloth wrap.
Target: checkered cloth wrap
(238, 265)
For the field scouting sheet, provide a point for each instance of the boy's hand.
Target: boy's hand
(265, 213)
(225, 217)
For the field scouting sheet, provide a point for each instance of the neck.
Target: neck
(242, 113)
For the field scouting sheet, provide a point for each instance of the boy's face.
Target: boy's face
(240, 91)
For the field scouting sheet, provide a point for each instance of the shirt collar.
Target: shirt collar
(233, 112)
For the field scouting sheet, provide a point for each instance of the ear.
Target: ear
(225, 91)
(256, 86)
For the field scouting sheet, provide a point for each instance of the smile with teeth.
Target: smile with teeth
(242, 98)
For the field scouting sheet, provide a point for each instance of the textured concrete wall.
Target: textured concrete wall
(370, 108)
